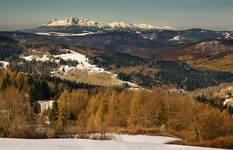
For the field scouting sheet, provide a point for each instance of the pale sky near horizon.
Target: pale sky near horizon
(210, 14)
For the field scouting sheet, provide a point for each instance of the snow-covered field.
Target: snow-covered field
(122, 142)
(66, 34)
(83, 61)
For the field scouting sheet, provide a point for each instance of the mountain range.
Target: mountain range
(102, 25)
(74, 75)
(197, 47)
(143, 34)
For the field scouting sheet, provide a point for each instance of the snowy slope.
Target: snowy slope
(83, 62)
(108, 25)
(44, 58)
(73, 73)
(70, 55)
(126, 143)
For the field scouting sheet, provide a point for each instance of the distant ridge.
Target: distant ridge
(107, 25)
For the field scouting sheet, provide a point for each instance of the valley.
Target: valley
(78, 76)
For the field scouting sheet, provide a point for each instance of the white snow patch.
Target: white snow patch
(144, 139)
(44, 58)
(227, 101)
(227, 35)
(28, 58)
(123, 142)
(83, 62)
(72, 55)
(43, 33)
(45, 105)
(4, 64)
(145, 26)
(176, 38)
(66, 34)
(132, 84)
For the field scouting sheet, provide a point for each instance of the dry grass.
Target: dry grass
(141, 131)
(138, 131)
(102, 78)
(220, 64)
(221, 142)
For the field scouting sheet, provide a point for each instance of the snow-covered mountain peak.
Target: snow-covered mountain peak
(110, 25)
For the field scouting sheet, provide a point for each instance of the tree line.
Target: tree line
(155, 112)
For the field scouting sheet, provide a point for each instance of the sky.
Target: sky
(182, 14)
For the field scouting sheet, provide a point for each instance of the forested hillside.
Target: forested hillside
(154, 105)
(9, 48)
(151, 73)
(19, 96)
(104, 110)
(153, 112)
(144, 72)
